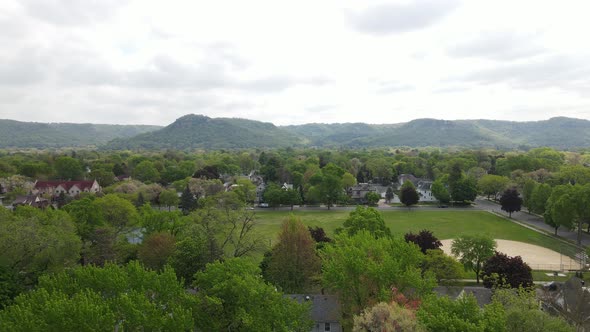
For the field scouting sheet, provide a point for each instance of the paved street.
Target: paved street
(532, 220)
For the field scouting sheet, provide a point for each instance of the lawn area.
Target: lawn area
(444, 225)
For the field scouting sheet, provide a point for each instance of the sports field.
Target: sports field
(444, 225)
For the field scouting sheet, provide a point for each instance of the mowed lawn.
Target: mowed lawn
(444, 225)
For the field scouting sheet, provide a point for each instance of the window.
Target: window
(327, 327)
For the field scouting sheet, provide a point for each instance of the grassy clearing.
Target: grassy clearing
(444, 224)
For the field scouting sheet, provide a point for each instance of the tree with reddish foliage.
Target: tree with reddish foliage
(318, 234)
(156, 249)
(425, 240)
(293, 264)
(503, 269)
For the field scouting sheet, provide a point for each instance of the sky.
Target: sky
(293, 62)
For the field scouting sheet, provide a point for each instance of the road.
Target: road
(532, 220)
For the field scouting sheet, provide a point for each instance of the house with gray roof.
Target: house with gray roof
(482, 295)
(325, 311)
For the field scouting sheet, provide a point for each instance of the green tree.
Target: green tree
(527, 193)
(112, 298)
(539, 198)
(492, 185)
(362, 270)
(234, 298)
(473, 251)
(145, 171)
(104, 177)
(365, 219)
(188, 202)
(440, 313)
(408, 194)
(273, 195)
(440, 192)
(117, 212)
(245, 190)
(444, 267)
(372, 198)
(68, 168)
(33, 242)
(291, 197)
(169, 198)
(464, 190)
(389, 194)
(294, 264)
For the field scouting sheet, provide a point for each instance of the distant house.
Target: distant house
(287, 186)
(423, 186)
(31, 200)
(123, 177)
(359, 191)
(70, 188)
(482, 295)
(260, 188)
(325, 311)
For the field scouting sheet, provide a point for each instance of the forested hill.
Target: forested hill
(198, 131)
(201, 132)
(16, 134)
(560, 132)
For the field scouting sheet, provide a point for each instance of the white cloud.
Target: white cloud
(150, 62)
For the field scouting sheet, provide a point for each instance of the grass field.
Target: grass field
(444, 225)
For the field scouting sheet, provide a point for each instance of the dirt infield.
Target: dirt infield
(538, 258)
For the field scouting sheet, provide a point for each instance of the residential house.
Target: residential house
(482, 295)
(423, 186)
(287, 186)
(570, 300)
(360, 190)
(31, 200)
(70, 188)
(325, 311)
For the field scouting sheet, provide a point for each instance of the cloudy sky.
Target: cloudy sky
(150, 62)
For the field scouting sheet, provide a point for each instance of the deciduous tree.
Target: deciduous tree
(511, 201)
(424, 239)
(501, 269)
(365, 219)
(473, 251)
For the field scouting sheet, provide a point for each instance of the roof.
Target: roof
(33, 200)
(66, 184)
(482, 295)
(324, 308)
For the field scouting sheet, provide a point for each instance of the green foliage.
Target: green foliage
(117, 212)
(169, 198)
(445, 268)
(463, 314)
(68, 168)
(294, 265)
(156, 249)
(440, 192)
(145, 171)
(103, 299)
(492, 185)
(33, 242)
(365, 219)
(362, 269)
(473, 251)
(464, 190)
(372, 198)
(234, 298)
(539, 198)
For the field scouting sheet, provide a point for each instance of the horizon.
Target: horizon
(145, 62)
(301, 124)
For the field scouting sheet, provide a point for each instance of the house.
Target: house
(31, 200)
(423, 186)
(260, 188)
(359, 191)
(570, 299)
(70, 188)
(482, 295)
(325, 311)
(287, 186)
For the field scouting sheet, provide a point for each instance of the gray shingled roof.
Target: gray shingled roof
(481, 294)
(324, 308)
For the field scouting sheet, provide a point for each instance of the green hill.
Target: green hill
(202, 132)
(198, 131)
(16, 134)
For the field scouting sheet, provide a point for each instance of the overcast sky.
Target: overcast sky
(150, 62)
